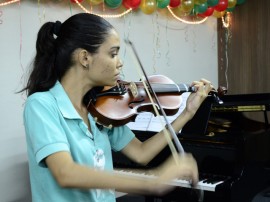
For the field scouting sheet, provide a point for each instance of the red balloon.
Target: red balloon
(209, 11)
(221, 6)
(174, 3)
(131, 3)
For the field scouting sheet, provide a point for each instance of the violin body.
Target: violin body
(120, 104)
(115, 109)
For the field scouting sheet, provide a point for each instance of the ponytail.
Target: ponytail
(43, 75)
(55, 44)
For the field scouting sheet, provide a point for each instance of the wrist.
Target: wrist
(187, 115)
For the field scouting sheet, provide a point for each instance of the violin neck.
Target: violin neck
(172, 88)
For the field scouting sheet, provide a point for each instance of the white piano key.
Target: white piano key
(177, 182)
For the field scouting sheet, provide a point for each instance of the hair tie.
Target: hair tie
(57, 27)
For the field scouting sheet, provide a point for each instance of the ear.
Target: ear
(84, 58)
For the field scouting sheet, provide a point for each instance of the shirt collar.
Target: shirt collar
(63, 102)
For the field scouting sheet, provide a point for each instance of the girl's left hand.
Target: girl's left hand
(203, 88)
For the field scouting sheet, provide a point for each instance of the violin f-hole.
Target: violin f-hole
(132, 104)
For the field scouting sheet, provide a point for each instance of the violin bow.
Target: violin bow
(168, 125)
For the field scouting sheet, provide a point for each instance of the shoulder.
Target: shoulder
(45, 97)
(39, 101)
(40, 97)
(41, 109)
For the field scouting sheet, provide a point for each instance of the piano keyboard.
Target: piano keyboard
(205, 184)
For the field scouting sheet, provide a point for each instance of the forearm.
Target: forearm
(69, 174)
(82, 177)
(151, 147)
(181, 120)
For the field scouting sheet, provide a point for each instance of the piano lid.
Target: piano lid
(244, 102)
(210, 110)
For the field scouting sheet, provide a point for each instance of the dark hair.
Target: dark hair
(53, 54)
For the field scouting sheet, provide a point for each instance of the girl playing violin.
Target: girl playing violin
(70, 158)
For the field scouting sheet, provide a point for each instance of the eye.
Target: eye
(114, 54)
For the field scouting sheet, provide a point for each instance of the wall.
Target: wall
(244, 62)
(247, 67)
(182, 52)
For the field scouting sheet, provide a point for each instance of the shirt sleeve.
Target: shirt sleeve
(44, 133)
(119, 137)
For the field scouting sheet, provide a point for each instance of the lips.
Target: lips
(117, 76)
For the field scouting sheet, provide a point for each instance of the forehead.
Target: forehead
(111, 41)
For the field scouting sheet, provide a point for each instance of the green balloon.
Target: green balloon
(201, 8)
(240, 1)
(212, 2)
(163, 3)
(230, 9)
(113, 3)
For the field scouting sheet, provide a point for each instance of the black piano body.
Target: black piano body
(228, 144)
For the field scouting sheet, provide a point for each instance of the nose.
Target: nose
(120, 64)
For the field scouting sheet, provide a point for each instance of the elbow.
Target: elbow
(63, 178)
(141, 160)
(144, 163)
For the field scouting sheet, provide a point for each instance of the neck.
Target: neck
(171, 88)
(75, 89)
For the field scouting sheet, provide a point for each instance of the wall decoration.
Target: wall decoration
(187, 11)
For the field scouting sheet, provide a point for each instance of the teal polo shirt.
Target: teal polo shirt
(52, 124)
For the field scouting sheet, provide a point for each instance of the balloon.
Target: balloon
(163, 3)
(200, 1)
(218, 14)
(174, 3)
(179, 12)
(148, 6)
(131, 3)
(222, 5)
(212, 2)
(240, 2)
(113, 3)
(200, 8)
(187, 5)
(209, 11)
(230, 9)
(95, 2)
(231, 3)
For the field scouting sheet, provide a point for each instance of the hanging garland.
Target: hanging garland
(201, 8)
(8, 2)
(197, 9)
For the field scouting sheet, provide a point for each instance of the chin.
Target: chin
(113, 83)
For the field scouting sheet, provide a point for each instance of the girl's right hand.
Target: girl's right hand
(182, 167)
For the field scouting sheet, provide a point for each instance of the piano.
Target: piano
(231, 143)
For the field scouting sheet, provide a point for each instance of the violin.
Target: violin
(120, 104)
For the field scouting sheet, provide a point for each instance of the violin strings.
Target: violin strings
(165, 130)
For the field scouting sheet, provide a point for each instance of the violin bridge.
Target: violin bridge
(133, 89)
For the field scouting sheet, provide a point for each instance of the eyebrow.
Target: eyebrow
(115, 47)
